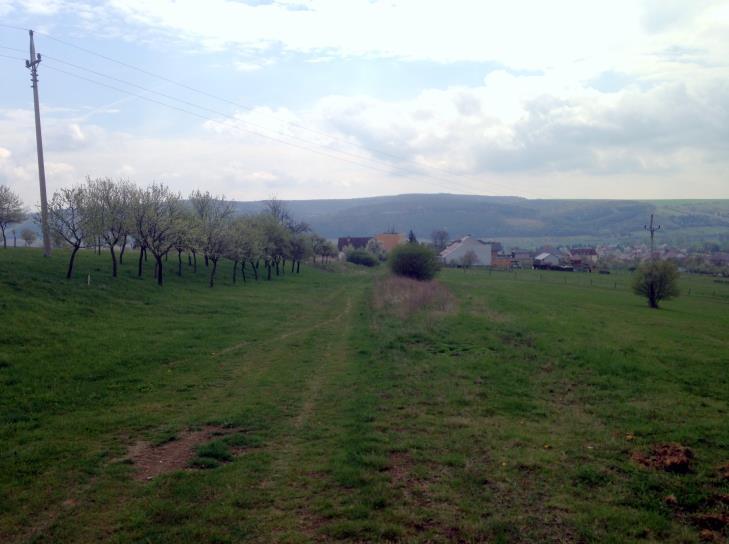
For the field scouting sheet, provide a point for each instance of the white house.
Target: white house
(453, 254)
(546, 259)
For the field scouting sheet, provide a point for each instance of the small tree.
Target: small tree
(66, 220)
(108, 213)
(11, 210)
(411, 237)
(469, 259)
(414, 261)
(300, 249)
(440, 239)
(29, 236)
(215, 223)
(375, 247)
(656, 281)
(157, 213)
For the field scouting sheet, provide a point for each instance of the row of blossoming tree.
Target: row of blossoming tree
(156, 221)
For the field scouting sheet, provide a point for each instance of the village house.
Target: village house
(356, 242)
(586, 255)
(546, 260)
(390, 240)
(454, 253)
(522, 258)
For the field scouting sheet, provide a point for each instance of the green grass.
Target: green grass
(510, 419)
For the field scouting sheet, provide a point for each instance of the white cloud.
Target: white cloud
(573, 37)
(539, 127)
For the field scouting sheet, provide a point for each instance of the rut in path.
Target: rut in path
(289, 450)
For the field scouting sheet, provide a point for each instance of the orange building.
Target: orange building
(388, 241)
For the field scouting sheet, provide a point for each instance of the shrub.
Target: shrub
(414, 261)
(360, 256)
(656, 281)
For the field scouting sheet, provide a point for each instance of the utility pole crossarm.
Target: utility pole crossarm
(652, 229)
(32, 64)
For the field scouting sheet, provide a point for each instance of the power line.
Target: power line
(387, 169)
(386, 164)
(12, 58)
(12, 49)
(206, 118)
(419, 168)
(14, 27)
(248, 108)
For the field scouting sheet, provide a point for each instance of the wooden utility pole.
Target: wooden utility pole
(32, 64)
(652, 229)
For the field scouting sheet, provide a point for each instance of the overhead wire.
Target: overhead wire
(206, 118)
(419, 169)
(248, 108)
(386, 167)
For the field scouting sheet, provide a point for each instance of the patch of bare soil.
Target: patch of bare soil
(713, 521)
(670, 457)
(151, 460)
(707, 535)
(404, 296)
(724, 471)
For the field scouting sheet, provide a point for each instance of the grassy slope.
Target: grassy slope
(504, 421)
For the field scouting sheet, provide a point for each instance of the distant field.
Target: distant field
(334, 405)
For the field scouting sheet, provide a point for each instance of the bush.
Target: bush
(414, 261)
(360, 256)
(656, 281)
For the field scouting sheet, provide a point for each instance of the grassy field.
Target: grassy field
(341, 406)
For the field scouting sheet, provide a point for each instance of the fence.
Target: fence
(692, 285)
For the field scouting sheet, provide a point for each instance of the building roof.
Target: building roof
(389, 240)
(357, 242)
(543, 256)
(583, 251)
(496, 247)
(454, 245)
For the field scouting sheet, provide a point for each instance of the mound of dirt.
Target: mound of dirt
(152, 460)
(670, 457)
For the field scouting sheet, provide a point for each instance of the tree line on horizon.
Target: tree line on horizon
(157, 221)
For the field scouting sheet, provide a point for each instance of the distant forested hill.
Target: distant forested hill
(517, 220)
(510, 217)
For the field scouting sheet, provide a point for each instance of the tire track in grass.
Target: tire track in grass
(250, 372)
(290, 485)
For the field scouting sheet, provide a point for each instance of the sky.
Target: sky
(350, 98)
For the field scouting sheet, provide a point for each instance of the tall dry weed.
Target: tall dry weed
(404, 297)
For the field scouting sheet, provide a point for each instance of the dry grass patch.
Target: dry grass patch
(404, 297)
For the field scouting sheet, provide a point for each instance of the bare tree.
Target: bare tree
(278, 210)
(440, 239)
(11, 210)
(469, 259)
(66, 220)
(300, 247)
(29, 236)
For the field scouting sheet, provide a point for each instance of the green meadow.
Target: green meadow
(342, 406)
